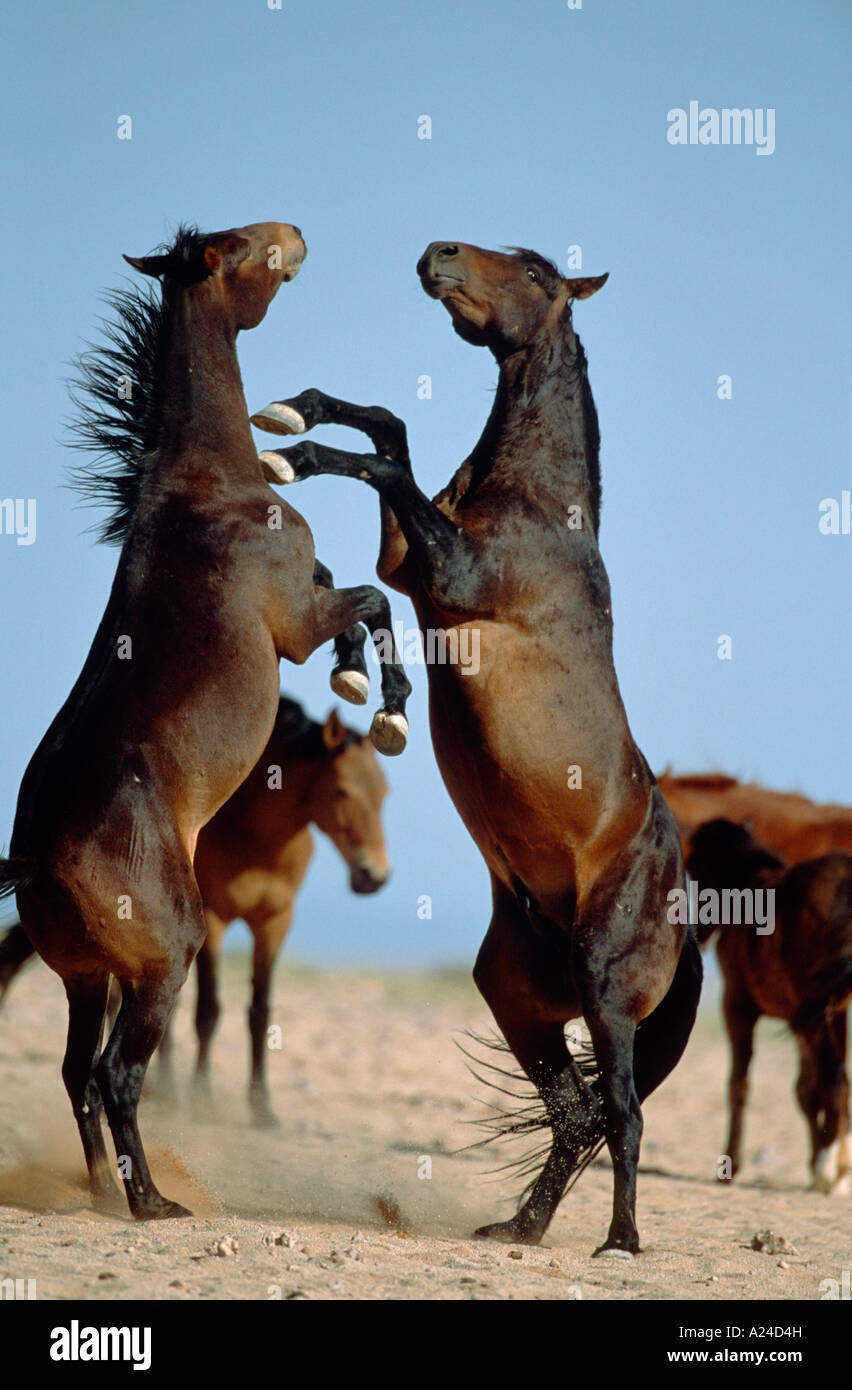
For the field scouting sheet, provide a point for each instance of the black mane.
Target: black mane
(122, 434)
(301, 734)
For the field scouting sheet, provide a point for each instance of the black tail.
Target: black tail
(14, 873)
(661, 1038)
(15, 951)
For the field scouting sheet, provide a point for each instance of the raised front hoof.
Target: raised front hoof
(160, 1209)
(389, 733)
(274, 468)
(353, 686)
(508, 1233)
(278, 418)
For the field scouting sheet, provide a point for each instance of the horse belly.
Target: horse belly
(522, 770)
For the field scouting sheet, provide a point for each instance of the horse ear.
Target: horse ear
(149, 265)
(586, 286)
(226, 250)
(333, 732)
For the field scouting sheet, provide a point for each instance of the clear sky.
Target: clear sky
(549, 130)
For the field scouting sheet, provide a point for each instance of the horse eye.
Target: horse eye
(532, 275)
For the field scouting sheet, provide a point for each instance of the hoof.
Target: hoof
(264, 1119)
(507, 1233)
(278, 418)
(389, 733)
(353, 686)
(275, 469)
(612, 1252)
(109, 1201)
(164, 1211)
(826, 1168)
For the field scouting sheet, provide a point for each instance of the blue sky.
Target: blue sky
(548, 130)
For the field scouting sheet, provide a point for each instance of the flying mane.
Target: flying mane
(117, 391)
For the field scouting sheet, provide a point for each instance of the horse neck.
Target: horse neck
(203, 408)
(541, 438)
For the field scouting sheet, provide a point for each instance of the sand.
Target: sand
(366, 1190)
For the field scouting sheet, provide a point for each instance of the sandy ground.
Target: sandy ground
(369, 1084)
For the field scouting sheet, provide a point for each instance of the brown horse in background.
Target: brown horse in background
(535, 748)
(250, 862)
(788, 824)
(253, 855)
(801, 972)
(179, 693)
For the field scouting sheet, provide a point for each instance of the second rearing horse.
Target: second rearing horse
(535, 748)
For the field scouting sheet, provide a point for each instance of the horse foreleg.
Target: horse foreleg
(740, 1019)
(268, 932)
(312, 407)
(338, 609)
(349, 677)
(207, 1013)
(451, 563)
(823, 1092)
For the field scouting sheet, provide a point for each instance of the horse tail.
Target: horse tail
(15, 950)
(661, 1038)
(14, 873)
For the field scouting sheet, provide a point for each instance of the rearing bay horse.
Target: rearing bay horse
(535, 749)
(178, 696)
(250, 862)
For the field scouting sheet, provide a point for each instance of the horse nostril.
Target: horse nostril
(298, 231)
(448, 251)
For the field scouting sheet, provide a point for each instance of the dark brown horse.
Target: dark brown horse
(792, 826)
(178, 696)
(535, 748)
(801, 972)
(250, 862)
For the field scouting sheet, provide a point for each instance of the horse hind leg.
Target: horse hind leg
(145, 1010)
(571, 1112)
(87, 1003)
(509, 969)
